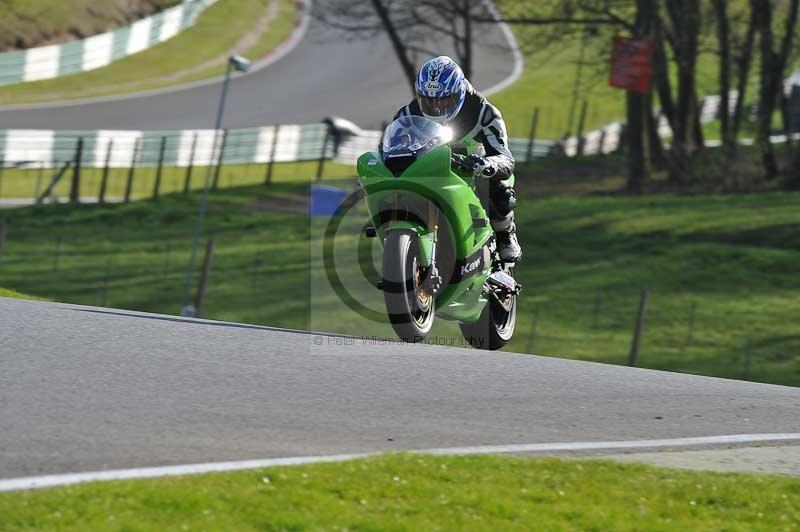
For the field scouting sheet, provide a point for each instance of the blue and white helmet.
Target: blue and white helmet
(441, 89)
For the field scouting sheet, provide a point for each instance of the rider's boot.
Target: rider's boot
(507, 244)
(501, 212)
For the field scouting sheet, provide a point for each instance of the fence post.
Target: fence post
(272, 151)
(633, 356)
(321, 164)
(532, 335)
(188, 183)
(157, 187)
(104, 183)
(75, 188)
(532, 135)
(201, 290)
(39, 178)
(235, 150)
(221, 158)
(3, 234)
(2, 169)
(53, 182)
(581, 124)
(622, 140)
(601, 142)
(137, 147)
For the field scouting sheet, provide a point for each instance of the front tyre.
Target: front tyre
(411, 309)
(496, 325)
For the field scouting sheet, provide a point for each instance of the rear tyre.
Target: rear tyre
(411, 310)
(496, 325)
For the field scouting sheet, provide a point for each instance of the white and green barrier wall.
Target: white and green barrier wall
(123, 149)
(47, 62)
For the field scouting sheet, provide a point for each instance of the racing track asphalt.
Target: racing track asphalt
(325, 74)
(87, 389)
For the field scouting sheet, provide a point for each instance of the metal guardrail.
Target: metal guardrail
(45, 165)
(123, 149)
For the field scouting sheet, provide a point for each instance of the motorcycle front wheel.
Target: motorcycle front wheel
(411, 310)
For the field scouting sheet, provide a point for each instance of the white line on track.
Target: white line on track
(48, 481)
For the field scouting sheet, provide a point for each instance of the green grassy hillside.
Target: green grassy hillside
(720, 270)
(30, 23)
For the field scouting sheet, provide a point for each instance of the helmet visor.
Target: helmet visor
(444, 106)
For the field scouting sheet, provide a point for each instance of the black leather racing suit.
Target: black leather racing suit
(481, 121)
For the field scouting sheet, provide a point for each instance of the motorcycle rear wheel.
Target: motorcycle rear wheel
(411, 310)
(496, 325)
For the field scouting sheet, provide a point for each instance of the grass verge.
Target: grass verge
(31, 182)
(413, 492)
(178, 60)
(720, 271)
(17, 295)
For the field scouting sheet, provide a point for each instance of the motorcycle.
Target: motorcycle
(439, 251)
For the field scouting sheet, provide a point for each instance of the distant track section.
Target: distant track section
(46, 62)
(327, 73)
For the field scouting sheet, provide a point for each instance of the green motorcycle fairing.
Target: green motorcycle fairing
(431, 177)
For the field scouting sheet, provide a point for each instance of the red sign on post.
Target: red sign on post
(632, 64)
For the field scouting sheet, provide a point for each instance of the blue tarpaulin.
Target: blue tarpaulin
(325, 200)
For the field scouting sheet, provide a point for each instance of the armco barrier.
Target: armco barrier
(123, 149)
(47, 62)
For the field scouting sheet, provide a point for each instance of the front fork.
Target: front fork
(428, 277)
(432, 278)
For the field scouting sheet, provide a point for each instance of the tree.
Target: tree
(675, 28)
(364, 19)
(723, 39)
(454, 19)
(773, 68)
(794, 174)
(409, 24)
(636, 108)
(641, 127)
(682, 31)
(744, 60)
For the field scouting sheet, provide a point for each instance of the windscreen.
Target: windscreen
(413, 136)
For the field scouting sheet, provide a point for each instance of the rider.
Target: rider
(445, 96)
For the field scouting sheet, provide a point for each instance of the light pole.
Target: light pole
(239, 64)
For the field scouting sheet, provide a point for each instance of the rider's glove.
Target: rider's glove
(481, 166)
